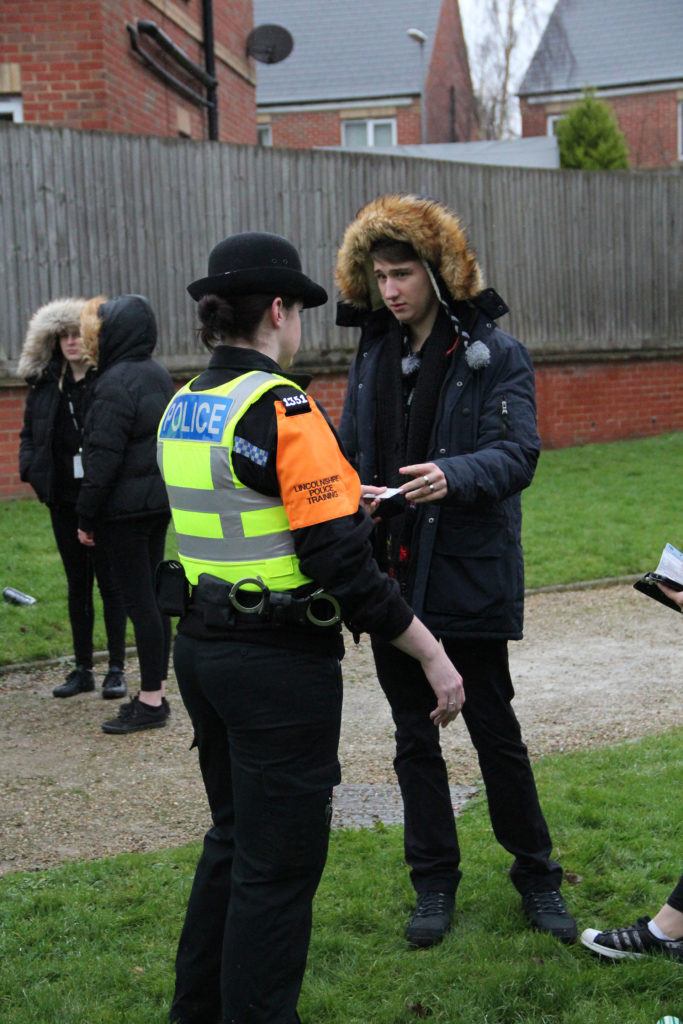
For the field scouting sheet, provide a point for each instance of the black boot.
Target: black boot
(114, 684)
(431, 918)
(79, 681)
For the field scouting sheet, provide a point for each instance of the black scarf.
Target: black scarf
(403, 435)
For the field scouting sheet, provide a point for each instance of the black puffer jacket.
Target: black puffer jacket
(122, 480)
(40, 454)
(36, 461)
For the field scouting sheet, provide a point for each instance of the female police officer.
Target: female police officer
(276, 552)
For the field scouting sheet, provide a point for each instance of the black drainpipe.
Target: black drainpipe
(210, 65)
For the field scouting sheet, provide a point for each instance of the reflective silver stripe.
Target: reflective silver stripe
(190, 499)
(244, 390)
(235, 549)
(228, 507)
(219, 461)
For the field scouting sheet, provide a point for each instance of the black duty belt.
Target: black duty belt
(229, 604)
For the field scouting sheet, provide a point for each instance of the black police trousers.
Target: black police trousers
(266, 724)
(430, 837)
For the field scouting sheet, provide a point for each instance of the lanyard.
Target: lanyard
(77, 425)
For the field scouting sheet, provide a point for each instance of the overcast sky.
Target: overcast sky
(470, 13)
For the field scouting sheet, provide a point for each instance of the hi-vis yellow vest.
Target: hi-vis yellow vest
(223, 527)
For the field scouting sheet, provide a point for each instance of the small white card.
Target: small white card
(78, 466)
(389, 493)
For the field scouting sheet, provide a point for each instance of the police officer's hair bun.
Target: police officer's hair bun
(223, 319)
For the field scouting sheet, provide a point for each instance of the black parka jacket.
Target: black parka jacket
(466, 570)
(41, 365)
(36, 459)
(122, 479)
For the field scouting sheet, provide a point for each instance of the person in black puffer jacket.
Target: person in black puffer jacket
(61, 381)
(122, 505)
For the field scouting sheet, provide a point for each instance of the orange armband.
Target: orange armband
(316, 481)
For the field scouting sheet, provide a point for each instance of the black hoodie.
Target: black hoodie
(122, 480)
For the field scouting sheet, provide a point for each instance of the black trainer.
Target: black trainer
(80, 680)
(114, 684)
(136, 716)
(546, 912)
(631, 943)
(431, 918)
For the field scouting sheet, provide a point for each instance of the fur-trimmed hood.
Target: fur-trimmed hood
(432, 229)
(44, 328)
(118, 329)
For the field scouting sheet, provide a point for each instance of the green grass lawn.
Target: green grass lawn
(603, 510)
(93, 943)
(32, 564)
(600, 510)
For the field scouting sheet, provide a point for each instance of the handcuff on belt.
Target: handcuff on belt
(278, 605)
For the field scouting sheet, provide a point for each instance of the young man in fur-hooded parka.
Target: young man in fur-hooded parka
(441, 404)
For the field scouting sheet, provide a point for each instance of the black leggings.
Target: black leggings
(82, 565)
(135, 547)
(675, 900)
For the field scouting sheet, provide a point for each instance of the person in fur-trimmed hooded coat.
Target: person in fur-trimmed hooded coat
(441, 405)
(61, 379)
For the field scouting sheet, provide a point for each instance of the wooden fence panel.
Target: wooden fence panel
(588, 262)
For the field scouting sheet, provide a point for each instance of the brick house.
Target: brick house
(631, 53)
(72, 63)
(366, 74)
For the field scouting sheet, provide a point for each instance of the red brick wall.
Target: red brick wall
(236, 98)
(649, 122)
(608, 401)
(78, 70)
(533, 118)
(59, 48)
(577, 404)
(305, 129)
(11, 417)
(450, 67)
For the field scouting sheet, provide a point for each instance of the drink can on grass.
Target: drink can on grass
(13, 596)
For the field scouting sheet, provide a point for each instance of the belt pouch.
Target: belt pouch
(172, 588)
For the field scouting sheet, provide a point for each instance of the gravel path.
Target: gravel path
(597, 666)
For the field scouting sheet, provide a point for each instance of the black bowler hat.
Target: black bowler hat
(257, 262)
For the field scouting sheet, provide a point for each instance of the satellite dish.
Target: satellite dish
(269, 44)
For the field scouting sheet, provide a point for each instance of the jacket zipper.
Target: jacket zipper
(505, 423)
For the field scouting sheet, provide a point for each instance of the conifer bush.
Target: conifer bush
(590, 138)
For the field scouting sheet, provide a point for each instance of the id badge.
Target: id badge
(78, 466)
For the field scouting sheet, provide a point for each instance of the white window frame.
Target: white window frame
(370, 124)
(550, 122)
(13, 105)
(267, 131)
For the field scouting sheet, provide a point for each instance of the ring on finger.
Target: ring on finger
(431, 487)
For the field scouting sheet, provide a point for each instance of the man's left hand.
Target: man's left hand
(86, 537)
(428, 483)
